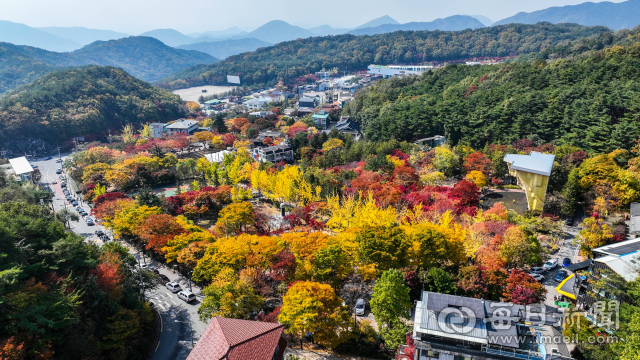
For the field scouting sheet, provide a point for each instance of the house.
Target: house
(455, 328)
(183, 126)
(22, 168)
(158, 129)
(282, 152)
(321, 119)
(217, 157)
(269, 133)
(234, 339)
(532, 172)
(258, 103)
(319, 96)
(307, 102)
(621, 258)
(348, 126)
(262, 114)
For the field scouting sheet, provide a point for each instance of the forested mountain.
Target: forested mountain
(173, 37)
(277, 31)
(289, 60)
(234, 30)
(18, 69)
(82, 35)
(451, 23)
(325, 30)
(590, 100)
(143, 57)
(613, 15)
(25, 35)
(225, 48)
(382, 20)
(81, 101)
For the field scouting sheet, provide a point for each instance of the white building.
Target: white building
(182, 126)
(158, 129)
(395, 70)
(258, 103)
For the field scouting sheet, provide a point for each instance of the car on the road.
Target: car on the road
(89, 222)
(566, 262)
(99, 233)
(537, 277)
(360, 307)
(569, 222)
(537, 270)
(59, 171)
(54, 182)
(74, 203)
(48, 158)
(186, 295)
(163, 279)
(58, 160)
(561, 275)
(63, 184)
(173, 286)
(550, 264)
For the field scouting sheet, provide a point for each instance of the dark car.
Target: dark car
(569, 222)
(561, 275)
(566, 262)
(74, 203)
(163, 279)
(48, 158)
(99, 233)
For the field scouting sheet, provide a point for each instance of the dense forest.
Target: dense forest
(288, 60)
(143, 57)
(82, 101)
(62, 298)
(590, 101)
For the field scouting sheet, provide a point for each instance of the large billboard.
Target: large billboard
(232, 79)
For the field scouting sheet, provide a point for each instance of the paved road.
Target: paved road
(180, 324)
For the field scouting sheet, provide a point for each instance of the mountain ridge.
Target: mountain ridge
(451, 23)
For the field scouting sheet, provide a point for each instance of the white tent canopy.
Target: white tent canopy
(21, 165)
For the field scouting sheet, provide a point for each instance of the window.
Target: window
(460, 357)
(430, 353)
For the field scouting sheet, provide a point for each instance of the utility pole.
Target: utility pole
(109, 135)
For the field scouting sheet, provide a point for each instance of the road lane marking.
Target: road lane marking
(174, 303)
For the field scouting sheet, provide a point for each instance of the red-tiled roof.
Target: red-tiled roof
(233, 339)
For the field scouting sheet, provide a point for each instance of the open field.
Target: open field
(192, 94)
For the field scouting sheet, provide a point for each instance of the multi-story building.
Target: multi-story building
(450, 327)
(397, 70)
(183, 126)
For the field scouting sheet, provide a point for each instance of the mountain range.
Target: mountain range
(615, 16)
(84, 36)
(224, 48)
(143, 57)
(451, 23)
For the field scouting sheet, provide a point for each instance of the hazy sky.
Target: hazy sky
(136, 16)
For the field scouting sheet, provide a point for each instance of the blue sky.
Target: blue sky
(136, 16)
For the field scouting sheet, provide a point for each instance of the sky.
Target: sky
(188, 16)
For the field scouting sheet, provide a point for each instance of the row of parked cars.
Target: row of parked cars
(537, 271)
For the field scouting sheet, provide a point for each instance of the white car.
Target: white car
(186, 296)
(538, 277)
(537, 270)
(54, 182)
(173, 286)
(551, 264)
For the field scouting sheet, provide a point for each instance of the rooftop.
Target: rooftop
(21, 165)
(182, 124)
(619, 249)
(535, 162)
(234, 339)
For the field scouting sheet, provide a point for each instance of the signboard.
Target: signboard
(232, 79)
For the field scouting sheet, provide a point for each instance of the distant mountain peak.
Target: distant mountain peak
(382, 20)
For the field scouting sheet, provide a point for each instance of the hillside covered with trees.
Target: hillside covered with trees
(589, 100)
(143, 57)
(63, 298)
(288, 60)
(82, 101)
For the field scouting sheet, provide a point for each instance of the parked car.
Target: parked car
(63, 184)
(561, 275)
(48, 158)
(74, 203)
(173, 286)
(538, 277)
(551, 264)
(54, 182)
(59, 171)
(90, 222)
(566, 262)
(58, 160)
(99, 233)
(156, 271)
(537, 270)
(163, 279)
(569, 222)
(186, 295)
(360, 307)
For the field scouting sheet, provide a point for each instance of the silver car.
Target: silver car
(173, 286)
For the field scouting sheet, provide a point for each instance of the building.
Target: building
(634, 222)
(22, 168)
(307, 102)
(319, 96)
(431, 142)
(321, 119)
(258, 103)
(455, 328)
(532, 172)
(397, 70)
(182, 126)
(269, 133)
(157, 129)
(348, 126)
(282, 152)
(621, 258)
(234, 339)
(262, 114)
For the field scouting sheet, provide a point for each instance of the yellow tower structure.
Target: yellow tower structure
(532, 172)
